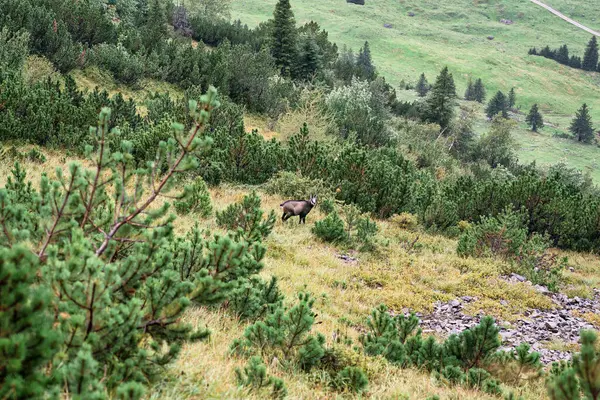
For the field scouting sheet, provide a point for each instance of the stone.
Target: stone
(389, 26)
(411, 14)
(518, 278)
(490, 37)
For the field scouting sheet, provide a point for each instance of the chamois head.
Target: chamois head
(313, 200)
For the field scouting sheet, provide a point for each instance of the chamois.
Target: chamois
(301, 208)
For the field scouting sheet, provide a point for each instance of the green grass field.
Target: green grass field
(454, 33)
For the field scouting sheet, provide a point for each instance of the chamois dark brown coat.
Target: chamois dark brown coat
(301, 208)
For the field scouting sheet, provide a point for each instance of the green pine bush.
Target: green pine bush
(255, 298)
(195, 199)
(330, 229)
(351, 379)
(27, 341)
(286, 334)
(246, 219)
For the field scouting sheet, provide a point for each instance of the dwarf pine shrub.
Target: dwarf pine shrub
(120, 279)
(460, 359)
(246, 218)
(195, 199)
(505, 236)
(330, 229)
(568, 383)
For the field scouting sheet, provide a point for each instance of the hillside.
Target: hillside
(192, 209)
(455, 34)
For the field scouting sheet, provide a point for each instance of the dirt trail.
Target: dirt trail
(569, 20)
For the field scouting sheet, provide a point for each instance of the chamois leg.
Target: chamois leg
(283, 217)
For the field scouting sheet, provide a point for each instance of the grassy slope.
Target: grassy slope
(454, 33)
(346, 293)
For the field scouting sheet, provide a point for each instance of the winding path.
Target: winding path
(569, 20)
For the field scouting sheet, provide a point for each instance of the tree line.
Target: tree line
(589, 62)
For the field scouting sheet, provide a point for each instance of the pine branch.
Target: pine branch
(51, 233)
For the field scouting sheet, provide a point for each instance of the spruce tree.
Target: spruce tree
(575, 62)
(535, 119)
(562, 55)
(590, 58)
(512, 98)
(479, 91)
(441, 100)
(284, 40)
(155, 30)
(581, 126)
(309, 59)
(364, 64)
(497, 105)
(423, 86)
(470, 92)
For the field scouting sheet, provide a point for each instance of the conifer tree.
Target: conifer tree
(512, 98)
(479, 91)
(155, 30)
(584, 375)
(562, 55)
(469, 93)
(309, 59)
(590, 58)
(27, 341)
(364, 63)
(441, 100)
(497, 105)
(581, 126)
(120, 279)
(535, 119)
(423, 86)
(284, 38)
(575, 62)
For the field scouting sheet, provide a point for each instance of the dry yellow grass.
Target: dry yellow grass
(346, 293)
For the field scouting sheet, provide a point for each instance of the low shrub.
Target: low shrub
(405, 220)
(505, 236)
(246, 218)
(330, 229)
(295, 186)
(195, 199)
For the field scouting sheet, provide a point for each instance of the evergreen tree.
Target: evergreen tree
(575, 62)
(284, 41)
(479, 91)
(498, 146)
(535, 119)
(568, 382)
(581, 126)
(470, 92)
(423, 86)
(562, 55)
(512, 98)
(497, 105)
(309, 59)
(364, 64)
(441, 100)
(155, 30)
(463, 134)
(27, 341)
(590, 58)
(345, 64)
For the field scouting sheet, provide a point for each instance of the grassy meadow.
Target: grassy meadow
(454, 33)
